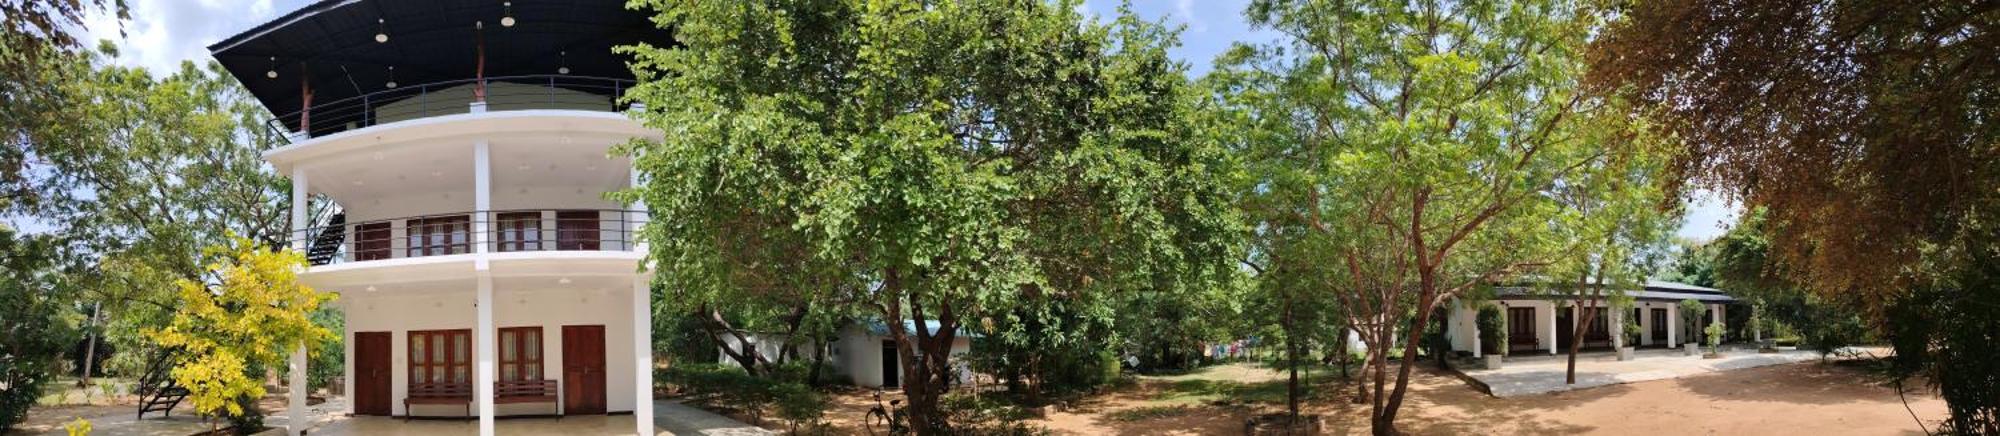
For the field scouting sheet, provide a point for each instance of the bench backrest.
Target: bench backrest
(440, 390)
(525, 388)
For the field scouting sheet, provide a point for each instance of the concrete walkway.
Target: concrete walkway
(681, 420)
(1538, 374)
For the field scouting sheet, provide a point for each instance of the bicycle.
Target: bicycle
(890, 417)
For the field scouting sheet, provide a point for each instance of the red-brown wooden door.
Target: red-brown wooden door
(372, 373)
(583, 369)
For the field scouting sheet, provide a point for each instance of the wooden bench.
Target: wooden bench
(526, 391)
(438, 393)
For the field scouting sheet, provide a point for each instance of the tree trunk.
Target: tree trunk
(90, 346)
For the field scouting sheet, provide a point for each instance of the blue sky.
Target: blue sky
(162, 33)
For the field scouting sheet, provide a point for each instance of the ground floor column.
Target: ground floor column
(642, 353)
(295, 408)
(1615, 322)
(1554, 308)
(1673, 325)
(482, 376)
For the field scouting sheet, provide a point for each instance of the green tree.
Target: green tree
(1867, 131)
(1613, 224)
(38, 318)
(36, 42)
(927, 162)
(248, 313)
(151, 173)
(1418, 142)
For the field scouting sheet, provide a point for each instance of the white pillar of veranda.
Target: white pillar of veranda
(295, 407)
(642, 322)
(482, 199)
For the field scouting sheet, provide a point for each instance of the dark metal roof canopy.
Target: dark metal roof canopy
(332, 46)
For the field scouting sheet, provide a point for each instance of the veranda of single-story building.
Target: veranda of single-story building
(861, 353)
(1545, 322)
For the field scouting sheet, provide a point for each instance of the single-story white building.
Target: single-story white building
(1539, 323)
(858, 352)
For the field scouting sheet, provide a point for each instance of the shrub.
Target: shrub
(987, 415)
(1493, 329)
(1714, 331)
(732, 388)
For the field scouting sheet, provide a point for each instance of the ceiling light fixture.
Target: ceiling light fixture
(392, 77)
(564, 280)
(371, 289)
(381, 31)
(563, 62)
(273, 72)
(507, 17)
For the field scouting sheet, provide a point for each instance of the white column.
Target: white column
(642, 353)
(1551, 335)
(1673, 325)
(482, 199)
(642, 317)
(482, 381)
(1615, 322)
(295, 408)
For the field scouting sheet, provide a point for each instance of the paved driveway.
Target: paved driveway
(1537, 374)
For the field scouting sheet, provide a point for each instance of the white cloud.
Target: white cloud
(162, 33)
(1185, 10)
(1708, 215)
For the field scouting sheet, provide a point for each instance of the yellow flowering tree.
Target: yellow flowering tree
(249, 311)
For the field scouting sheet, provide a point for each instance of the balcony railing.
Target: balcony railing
(446, 234)
(450, 97)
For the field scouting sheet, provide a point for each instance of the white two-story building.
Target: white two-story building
(449, 162)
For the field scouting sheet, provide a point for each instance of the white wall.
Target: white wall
(551, 309)
(861, 354)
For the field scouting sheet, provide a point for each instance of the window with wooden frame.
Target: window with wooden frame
(371, 241)
(577, 229)
(520, 354)
(437, 236)
(519, 231)
(440, 356)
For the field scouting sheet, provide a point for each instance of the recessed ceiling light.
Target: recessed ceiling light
(522, 167)
(359, 183)
(371, 289)
(564, 280)
(437, 174)
(590, 168)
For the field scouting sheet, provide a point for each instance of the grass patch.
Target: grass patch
(1149, 413)
(1206, 391)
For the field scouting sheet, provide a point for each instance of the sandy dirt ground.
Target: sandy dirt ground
(1802, 399)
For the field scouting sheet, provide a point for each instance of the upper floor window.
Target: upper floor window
(577, 230)
(436, 236)
(519, 231)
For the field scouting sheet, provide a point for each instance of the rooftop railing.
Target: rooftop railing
(415, 101)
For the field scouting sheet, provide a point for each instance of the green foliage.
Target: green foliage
(988, 415)
(1690, 312)
(250, 314)
(1492, 324)
(1410, 152)
(1714, 332)
(733, 388)
(1945, 335)
(949, 161)
(38, 319)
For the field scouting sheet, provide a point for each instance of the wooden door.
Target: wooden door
(891, 365)
(372, 373)
(577, 230)
(1521, 328)
(583, 369)
(1660, 327)
(371, 241)
(1565, 327)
